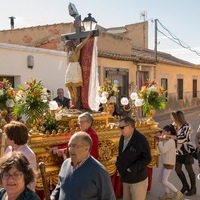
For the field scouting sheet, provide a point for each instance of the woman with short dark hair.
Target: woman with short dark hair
(16, 139)
(16, 174)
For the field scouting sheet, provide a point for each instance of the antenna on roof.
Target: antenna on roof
(143, 15)
(12, 22)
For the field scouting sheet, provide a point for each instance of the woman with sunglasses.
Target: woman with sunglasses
(16, 174)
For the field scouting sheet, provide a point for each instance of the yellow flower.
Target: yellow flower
(109, 88)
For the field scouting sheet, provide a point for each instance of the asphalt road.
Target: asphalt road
(157, 190)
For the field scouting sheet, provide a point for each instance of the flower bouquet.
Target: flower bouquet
(109, 90)
(31, 101)
(7, 95)
(153, 97)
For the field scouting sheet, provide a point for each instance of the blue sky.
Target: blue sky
(181, 17)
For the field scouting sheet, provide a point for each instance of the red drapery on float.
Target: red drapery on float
(86, 60)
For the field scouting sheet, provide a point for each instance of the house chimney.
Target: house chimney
(12, 22)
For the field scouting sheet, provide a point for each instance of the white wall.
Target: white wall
(49, 65)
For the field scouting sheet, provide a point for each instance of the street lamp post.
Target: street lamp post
(89, 23)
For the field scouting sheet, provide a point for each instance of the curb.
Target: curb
(164, 116)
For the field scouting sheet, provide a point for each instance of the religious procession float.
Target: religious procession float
(52, 126)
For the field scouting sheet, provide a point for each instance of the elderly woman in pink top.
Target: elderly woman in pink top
(16, 139)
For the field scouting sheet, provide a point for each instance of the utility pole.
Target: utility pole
(156, 41)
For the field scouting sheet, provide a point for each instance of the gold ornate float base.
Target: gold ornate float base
(108, 134)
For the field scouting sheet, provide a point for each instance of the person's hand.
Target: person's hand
(52, 198)
(155, 136)
(52, 149)
(128, 170)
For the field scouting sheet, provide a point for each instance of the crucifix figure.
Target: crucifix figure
(73, 76)
(79, 64)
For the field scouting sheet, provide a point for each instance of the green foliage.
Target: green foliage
(153, 97)
(31, 101)
(50, 122)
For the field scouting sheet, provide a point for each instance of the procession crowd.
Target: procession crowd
(83, 177)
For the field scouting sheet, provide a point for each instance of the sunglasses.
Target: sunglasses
(122, 127)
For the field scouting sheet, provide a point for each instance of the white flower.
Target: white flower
(152, 88)
(58, 116)
(20, 98)
(53, 105)
(105, 94)
(10, 103)
(1, 92)
(103, 99)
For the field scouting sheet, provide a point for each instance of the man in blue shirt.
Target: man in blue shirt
(82, 176)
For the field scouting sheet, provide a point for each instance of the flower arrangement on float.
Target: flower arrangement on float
(108, 91)
(7, 95)
(153, 97)
(31, 101)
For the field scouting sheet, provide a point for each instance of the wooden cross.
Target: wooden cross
(77, 36)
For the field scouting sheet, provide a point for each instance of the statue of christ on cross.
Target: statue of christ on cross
(78, 73)
(73, 75)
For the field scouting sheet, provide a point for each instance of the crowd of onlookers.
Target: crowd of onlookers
(83, 177)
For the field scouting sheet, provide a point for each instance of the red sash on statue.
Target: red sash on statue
(86, 60)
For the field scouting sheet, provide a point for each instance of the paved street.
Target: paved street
(194, 120)
(157, 189)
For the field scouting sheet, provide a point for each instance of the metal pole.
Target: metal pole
(156, 42)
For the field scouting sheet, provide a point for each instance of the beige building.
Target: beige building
(123, 55)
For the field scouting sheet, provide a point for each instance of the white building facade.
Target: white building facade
(24, 63)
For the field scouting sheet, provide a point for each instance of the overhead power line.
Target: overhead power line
(175, 39)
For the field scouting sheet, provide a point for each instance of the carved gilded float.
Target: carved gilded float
(108, 133)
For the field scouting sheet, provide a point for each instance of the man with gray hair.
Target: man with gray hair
(81, 176)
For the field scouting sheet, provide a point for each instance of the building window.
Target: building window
(142, 77)
(164, 84)
(9, 78)
(121, 75)
(180, 88)
(194, 88)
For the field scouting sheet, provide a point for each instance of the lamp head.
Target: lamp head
(89, 23)
(124, 101)
(134, 96)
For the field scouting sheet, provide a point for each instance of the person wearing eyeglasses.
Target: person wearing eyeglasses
(85, 121)
(16, 174)
(16, 139)
(81, 176)
(133, 157)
